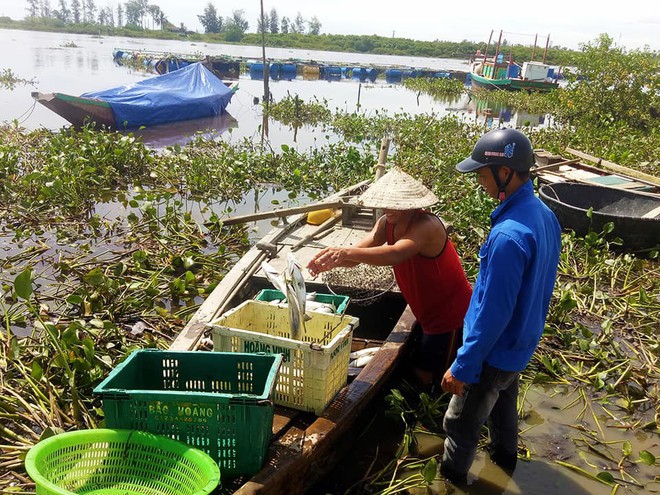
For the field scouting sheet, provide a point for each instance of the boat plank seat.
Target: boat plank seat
(652, 214)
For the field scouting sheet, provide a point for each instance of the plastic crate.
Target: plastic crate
(119, 462)
(314, 368)
(220, 403)
(339, 302)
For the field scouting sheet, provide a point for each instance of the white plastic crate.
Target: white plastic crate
(313, 368)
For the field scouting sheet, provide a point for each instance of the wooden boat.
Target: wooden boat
(304, 446)
(551, 168)
(498, 73)
(192, 92)
(635, 216)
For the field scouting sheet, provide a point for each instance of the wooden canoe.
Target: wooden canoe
(552, 168)
(304, 446)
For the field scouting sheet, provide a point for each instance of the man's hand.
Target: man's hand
(325, 260)
(452, 384)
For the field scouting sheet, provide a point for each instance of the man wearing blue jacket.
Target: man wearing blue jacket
(507, 311)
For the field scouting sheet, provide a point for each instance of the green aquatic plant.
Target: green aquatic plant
(9, 80)
(293, 111)
(448, 89)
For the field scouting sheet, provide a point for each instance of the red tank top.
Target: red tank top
(436, 289)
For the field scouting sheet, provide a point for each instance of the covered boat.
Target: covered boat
(192, 92)
(635, 215)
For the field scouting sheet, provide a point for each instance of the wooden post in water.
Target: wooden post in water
(382, 156)
(380, 167)
(266, 101)
(536, 37)
(547, 43)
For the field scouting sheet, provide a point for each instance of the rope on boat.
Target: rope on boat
(28, 112)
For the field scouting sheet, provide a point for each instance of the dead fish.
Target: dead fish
(298, 282)
(295, 311)
(367, 351)
(274, 277)
(320, 307)
(359, 359)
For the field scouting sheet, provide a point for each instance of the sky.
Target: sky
(631, 23)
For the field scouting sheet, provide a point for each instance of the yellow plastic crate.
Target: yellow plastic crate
(313, 369)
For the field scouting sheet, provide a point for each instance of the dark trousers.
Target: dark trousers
(493, 400)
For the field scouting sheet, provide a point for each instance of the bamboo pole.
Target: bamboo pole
(281, 212)
(497, 52)
(263, 58)
(382, 157)
(655, 181)
(547, 43)
(330, 222)
(490, 38)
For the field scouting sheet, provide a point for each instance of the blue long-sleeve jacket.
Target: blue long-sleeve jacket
(510, 300)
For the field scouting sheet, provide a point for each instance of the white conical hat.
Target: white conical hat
(396, 190)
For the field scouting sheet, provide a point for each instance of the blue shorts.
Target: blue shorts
(435, 353)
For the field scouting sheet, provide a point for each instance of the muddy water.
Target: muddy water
(553, 430)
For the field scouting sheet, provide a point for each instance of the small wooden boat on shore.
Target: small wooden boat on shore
(192, 92)
(305, 446)
(635, 216)
(552, 168)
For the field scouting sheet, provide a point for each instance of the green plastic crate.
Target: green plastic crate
(220, 403)
(339, 302)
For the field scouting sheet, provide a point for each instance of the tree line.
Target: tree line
(213, 22)
(139, 18)
(140, 14)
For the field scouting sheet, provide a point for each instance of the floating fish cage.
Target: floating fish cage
(314, 366)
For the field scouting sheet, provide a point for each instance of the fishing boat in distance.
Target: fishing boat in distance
(306, 445)
(192, 92)
(500, 72)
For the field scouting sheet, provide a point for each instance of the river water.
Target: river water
(75, 64)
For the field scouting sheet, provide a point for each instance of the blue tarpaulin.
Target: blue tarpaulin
(189, 93)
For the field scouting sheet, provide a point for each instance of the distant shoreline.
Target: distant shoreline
(372, 45)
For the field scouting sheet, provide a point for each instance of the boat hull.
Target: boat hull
(77, 110)
(306, 447)
(631, 213)
(512, 84)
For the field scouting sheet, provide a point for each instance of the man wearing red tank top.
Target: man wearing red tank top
(426, 266)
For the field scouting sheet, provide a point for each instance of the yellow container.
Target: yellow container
(313, 368)
(317, 217)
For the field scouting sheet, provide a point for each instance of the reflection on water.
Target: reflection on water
(180, 133)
